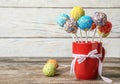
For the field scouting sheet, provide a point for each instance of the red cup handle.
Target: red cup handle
(103, 54)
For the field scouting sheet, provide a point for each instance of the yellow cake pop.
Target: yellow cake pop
(77, 12)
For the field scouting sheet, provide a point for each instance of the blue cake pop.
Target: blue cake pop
(85, 22)
(61, 19)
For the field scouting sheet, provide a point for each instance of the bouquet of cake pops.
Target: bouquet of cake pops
(79, 21)
(87, 54)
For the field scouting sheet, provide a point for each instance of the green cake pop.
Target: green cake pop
(49, 69)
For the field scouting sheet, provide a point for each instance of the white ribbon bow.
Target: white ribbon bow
(82, 57)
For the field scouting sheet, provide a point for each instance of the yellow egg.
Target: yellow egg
(77, 12)
(103, 34)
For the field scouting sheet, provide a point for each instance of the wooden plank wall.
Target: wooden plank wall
(28, 27)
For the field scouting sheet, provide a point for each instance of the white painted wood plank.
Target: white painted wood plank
(59, 3)
(35, 22)
(51, 47)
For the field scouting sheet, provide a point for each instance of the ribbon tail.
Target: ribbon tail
(72, 66)
(106, 79)
(100, 73)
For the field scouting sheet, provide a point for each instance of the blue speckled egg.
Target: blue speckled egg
(85, 22)
(61, 19)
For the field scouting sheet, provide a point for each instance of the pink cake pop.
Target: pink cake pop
(99, 18)
(71, 27)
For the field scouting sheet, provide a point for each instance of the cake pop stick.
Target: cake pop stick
(81, 35)
(85, 23)
(94, 33)
(73, 37)
(102, 35)
(92, 28)
(88, 33)
(77, 37)
(99, 19)
(86, 36)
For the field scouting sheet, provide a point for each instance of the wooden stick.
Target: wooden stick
(101, 37)
(86, 36)
(94, 33)
(73, 38)
(81, 35)
(89, 32)
(77, 37)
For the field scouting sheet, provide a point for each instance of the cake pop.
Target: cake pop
(49, 69)
(53, 61)
(77, 12)
(85, 23)
(100, 18)
(105, 28)
(61, 19)
(71, 26)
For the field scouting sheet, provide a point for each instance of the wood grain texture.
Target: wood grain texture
(59, 3)
(28, 27)
(29, 71)
(21, 22)
(49, 47)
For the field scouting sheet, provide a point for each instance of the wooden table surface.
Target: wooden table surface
(29, 71)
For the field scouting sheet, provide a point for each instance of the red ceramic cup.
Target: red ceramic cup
(88, 69)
